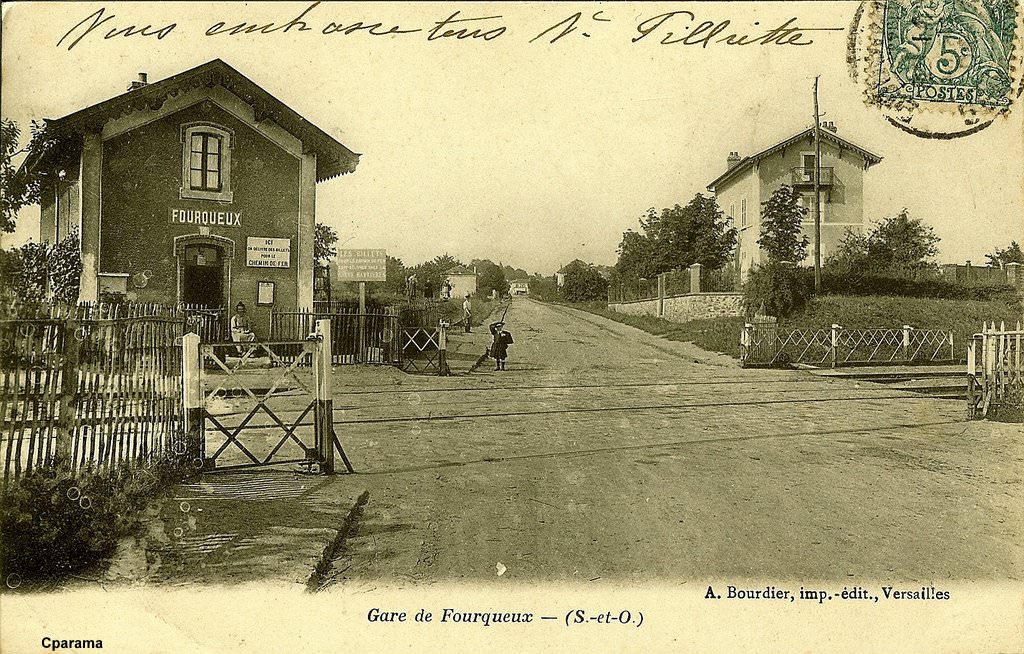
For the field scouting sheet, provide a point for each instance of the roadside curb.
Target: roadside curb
(347, 529)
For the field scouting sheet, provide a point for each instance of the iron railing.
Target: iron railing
(767, 344)
(804, 175)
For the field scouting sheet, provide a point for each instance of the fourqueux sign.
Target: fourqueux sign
(206, 218)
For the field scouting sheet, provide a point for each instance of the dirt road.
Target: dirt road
(607, 453)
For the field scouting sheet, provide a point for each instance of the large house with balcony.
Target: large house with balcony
(749, 181)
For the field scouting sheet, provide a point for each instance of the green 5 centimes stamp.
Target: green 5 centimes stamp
(938, 68)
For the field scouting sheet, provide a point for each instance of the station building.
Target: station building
(199, 189)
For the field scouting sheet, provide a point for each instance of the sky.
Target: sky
(528, 153)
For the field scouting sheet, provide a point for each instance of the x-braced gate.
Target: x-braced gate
(424, 349)
(261, 403)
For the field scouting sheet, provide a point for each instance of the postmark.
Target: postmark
(938, 68)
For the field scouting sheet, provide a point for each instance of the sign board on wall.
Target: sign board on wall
(362, 265)
(268, 252)
(206, 218)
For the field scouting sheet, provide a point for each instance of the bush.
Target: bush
(583, 283)
(839, 281)
(779, 288)
(54, 524)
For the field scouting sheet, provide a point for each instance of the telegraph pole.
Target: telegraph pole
(817, 191)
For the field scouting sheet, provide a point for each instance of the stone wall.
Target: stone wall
(683, 308)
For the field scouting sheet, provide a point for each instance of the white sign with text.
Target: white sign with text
(268, 252)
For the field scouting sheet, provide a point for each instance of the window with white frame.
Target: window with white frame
(206, 162)
(743, 212)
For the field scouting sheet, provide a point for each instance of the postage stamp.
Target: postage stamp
(939, 68)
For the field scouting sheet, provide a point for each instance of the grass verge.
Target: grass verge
(964, 317)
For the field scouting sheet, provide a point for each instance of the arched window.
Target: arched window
(206, 162)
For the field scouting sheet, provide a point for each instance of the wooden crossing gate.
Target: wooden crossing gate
(260, 404)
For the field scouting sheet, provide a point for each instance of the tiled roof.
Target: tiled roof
(332, 159)
(869, 158)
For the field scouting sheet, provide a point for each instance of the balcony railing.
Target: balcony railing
(803, 176)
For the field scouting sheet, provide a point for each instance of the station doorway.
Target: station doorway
(203, 276)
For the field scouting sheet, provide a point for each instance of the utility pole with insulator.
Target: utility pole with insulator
(817, 191)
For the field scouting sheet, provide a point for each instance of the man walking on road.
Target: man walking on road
(467, 314)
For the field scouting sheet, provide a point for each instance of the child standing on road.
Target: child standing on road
(499, 348)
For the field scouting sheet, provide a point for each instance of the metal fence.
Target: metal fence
(88, 393)
(720, 281)
(357, 337)
(1000, 379)
(767, 344)
(695, 279)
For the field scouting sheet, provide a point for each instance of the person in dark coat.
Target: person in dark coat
(499, 347)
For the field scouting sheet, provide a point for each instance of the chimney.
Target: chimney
(830, 126)
(734, 158)
(138, 83)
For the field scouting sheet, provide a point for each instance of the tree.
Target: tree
(65, 268)
(1001, 257)
(636, 256)
(491, 277)
(395, 274)
(583, 283)
(430, 274)
(445, 262)
(24, 272)
(324, 240)
(776, 288)
(19, 187)
(781, 219)
(677, 238)
(897, 245)
(543, 288)
(514, 273)
(902, 243)
(851, 255)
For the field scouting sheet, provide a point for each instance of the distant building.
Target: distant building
(749, 181)
(519, 287)
(560, 275)
(461, 281)
(197, 189)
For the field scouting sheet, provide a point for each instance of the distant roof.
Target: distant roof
(459, 270)
(332, 157)
(826, 135)
(582, 263)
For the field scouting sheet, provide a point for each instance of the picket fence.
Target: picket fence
(88, 392)
(999, 379)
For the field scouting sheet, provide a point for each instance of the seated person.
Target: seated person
(241, 328)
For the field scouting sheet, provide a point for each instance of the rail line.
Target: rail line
(342, 409)
(666, 444)
(385, 389)
(640, 408)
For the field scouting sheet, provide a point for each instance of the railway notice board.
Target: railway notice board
(362, 265)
